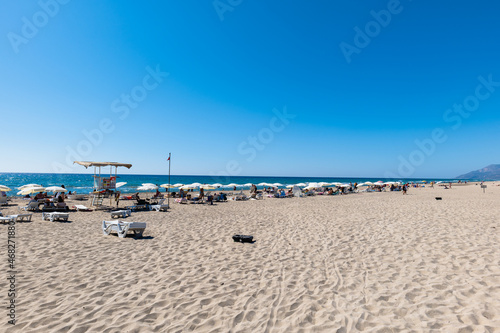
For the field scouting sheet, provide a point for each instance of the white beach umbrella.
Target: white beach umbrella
(263, 184)
(28, 185)
(4, 188)
(301, 184)
(189, 187)
(54, 189)
(31, 190)
(208, 187)
(178, 185)
(232, 185)
(217, 185)
(290, 186)
(248, 184)
(324, 184)
(369, 184)
(147, 187)
(148, 184)
(120, 184)
(277, 185)
(167, 186)
(345, 185)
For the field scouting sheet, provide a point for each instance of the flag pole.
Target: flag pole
(169, 184)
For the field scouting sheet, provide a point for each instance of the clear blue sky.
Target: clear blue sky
(68, 68)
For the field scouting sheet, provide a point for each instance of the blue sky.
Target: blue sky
(149, 78)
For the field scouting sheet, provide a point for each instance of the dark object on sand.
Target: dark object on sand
(243, 238)
(439, 198)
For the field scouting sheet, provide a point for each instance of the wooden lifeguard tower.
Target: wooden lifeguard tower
(104, 186)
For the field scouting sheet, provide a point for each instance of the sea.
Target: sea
(83, 183)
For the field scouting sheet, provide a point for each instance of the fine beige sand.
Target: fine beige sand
(370, 262)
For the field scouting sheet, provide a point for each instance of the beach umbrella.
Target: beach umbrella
(248, 184)
(31, 190)
(120, 184)
(178, 185)
(28, 185)
(277, 185)
(217, 185)
(232, 185)
(208, 187)
(4, 188)
(264, 184)
(189, 187)
(290, 186)
(55, 189)
(369, 184)
(167, 186)
(324, 184)
(301, 184)
(147, 187)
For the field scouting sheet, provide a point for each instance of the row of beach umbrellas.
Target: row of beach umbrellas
(33, 188)
(36, 188)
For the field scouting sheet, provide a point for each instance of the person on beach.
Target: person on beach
(181, 193)
(405, 189)
(117, 198)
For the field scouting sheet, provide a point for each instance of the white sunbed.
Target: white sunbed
(121, 213)
(6, 219)
(82, 208)
(55, 216)
(32, 206)
(121, 228)
(160, 206)
(22, 217)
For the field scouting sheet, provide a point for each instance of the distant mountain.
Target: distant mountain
(491, 172)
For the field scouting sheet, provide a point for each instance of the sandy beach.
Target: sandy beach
(368, 262)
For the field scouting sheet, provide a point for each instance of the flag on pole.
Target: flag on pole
(168, 159)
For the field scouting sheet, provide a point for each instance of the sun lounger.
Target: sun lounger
(32, 206)
(181, 200)
(121, 213)
(160, 206)
(81, 197)
(55, 216)
(22, 217)
(7, 219)
(138, 207)
(82, 208)
(121, 228)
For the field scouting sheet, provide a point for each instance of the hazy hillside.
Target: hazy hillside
(491, 172)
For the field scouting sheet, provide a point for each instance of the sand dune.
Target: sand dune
(372, 262)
